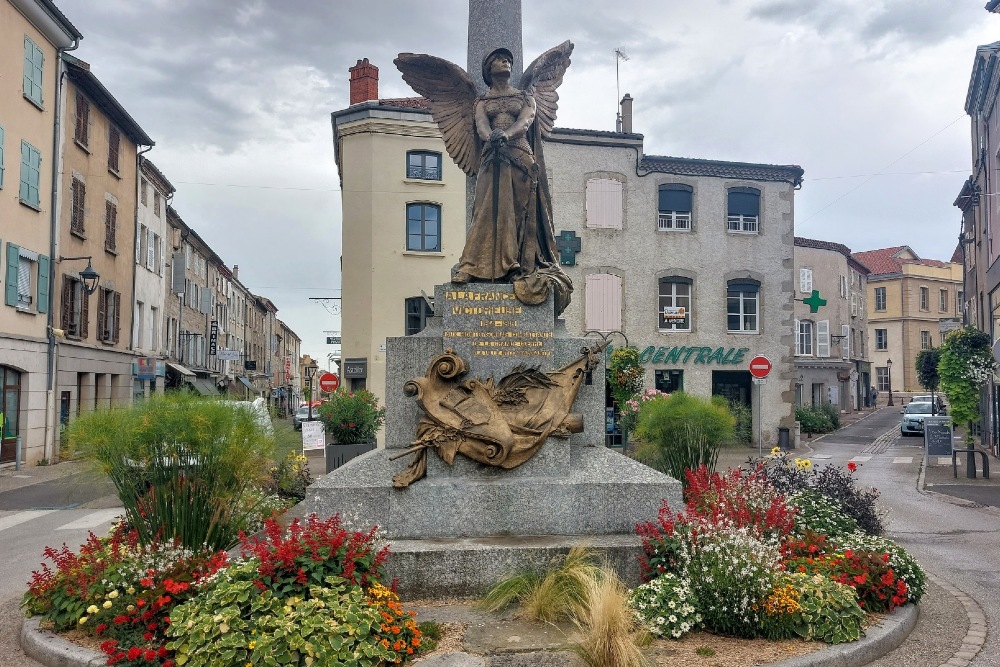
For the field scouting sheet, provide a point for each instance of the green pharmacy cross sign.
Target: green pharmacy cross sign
(814, 302)
(568, 244)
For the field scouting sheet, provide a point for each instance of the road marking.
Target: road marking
(21, 517)
(944, 460)
(903, 459)
(822, 457)
(94, 520)
(861, 459)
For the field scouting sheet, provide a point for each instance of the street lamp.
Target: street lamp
(89, 277)
(888, 372)
(310, 374)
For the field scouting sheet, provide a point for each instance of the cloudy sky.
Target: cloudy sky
(866, 95)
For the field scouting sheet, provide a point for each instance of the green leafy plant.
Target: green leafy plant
(813, 607)
(820, 514)
(813, 419)
(904, 565)
(352, 417)
(867, 572)
(626, 375)
(629, 413)
(290, 477)
(179, 463)
(965, 366)
(927, 368)
(666, 605)
(551, 595)
(681, 431)
(743, 430)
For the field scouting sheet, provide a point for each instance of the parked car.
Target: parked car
(912, 422)
(926, 398)
(302, 415)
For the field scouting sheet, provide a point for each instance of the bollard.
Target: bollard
(17, 453)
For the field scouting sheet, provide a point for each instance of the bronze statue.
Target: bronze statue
(498, 138)
(500, 423)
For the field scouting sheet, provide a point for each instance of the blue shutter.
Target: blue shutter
(13, 259)
(42, 300)
(744, 201)
(25, 152)
(675, 197)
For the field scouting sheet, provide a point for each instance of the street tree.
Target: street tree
(965, 366)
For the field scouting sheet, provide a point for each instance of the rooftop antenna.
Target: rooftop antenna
(619, 56)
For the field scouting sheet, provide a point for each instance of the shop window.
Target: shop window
(669, 380)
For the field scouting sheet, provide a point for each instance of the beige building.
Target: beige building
(403, 222)
(912, 304)
(33, 34)
(830, 338)
(97, 228)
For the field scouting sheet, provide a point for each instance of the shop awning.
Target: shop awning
(180, 369)
(203, 386)
(247, 383)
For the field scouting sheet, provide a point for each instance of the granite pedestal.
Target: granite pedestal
(464, 527)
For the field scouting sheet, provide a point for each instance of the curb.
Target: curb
(54, 651)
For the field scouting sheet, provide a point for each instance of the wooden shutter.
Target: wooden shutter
(118, 315)
(102, 314)
(78, 210)
(114, 148)
(823, 338)
(84, 313)
(13, 259)
(604, 203)
(110, 224)
(42, 289)
(603, 303)
(66, 307)
(82, 118)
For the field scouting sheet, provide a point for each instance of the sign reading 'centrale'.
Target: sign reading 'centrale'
(697, 355)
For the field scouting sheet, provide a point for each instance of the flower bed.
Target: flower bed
(308, 595)
(782, 550)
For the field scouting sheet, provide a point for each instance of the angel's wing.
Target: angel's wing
(451, 96)
(541, 79)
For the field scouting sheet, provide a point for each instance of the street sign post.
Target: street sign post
(760, 368)
(329, 382)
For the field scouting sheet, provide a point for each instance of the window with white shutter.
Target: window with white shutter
(854, 305)
(603, 302)
(150, 250)
(805, 281)
(604, 203)
(843, 286)
(845, 341)
(823, 338)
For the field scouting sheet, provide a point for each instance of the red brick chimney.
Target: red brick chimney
(364, 82)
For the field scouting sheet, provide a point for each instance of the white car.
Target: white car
(302, 415)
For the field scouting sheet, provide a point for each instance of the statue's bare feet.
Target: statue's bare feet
(460, 277)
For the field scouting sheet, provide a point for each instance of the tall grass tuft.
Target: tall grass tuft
(610, 630)
(180, 464)
(551, 596)
(682, 431)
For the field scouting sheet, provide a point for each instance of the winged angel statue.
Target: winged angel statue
(497, 137)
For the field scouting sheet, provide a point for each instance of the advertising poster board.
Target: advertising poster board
(938, 436)
(313, 436)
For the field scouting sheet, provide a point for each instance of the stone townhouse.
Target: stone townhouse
(33, 35)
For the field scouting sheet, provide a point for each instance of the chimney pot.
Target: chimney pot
(364, 82)
(627, 114)
(236, 271)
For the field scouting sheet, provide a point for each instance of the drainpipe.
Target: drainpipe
(48, 449)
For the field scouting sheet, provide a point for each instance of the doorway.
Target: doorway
(10, 408)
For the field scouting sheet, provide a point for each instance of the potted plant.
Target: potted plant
(352, 417)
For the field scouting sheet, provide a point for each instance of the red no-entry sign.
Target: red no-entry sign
(329, 382)
(760, 366)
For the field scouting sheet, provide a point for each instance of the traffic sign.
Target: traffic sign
(760, 380)
(760, 366)
(329, 382)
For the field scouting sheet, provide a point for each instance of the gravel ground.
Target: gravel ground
(10, 628)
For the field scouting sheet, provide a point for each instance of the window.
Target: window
(417, 312)
(881, 339)
(34, 64)
(156, 203)
(668, 381)
(843, 286)
(742, 305)
(27, 280)
(674, 312)
(114, 149)
(804, 337)
(604, 203)
(882, 378)
(744, 210)
(31, 174)
(959, 301)
(423, 165)
(925, 339)
(806, 281)
(924, 298)
(143, 191)
(81, 133)
(880, 299)
(943, 302)
(75, 316)
(603, 302)
(140, 321)
(674, 207)
(140, 244)
(150, 255)
(108, 315)
(78, 211)
(157, 255)
(154, 318)
(423, 227)
(110, 226)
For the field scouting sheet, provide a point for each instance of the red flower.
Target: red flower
(852, 466)
(860, 579)
(101, 628)
(134, 653)
(150, 655)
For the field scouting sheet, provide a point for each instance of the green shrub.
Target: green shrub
(666, 606)
(743, 431)
(820, 514)
(625, 374)
(180, 464)
(813, 419)
(352, 417)
(902, 563)
(681, 431)
(832, 413)
(813, 607)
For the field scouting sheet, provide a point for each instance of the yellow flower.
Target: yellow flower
(107, 604)
(252, 645)
(83, 619)
(92, 609)
(130, 590)
(130, 608)
(112, 595)
(775, 451)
